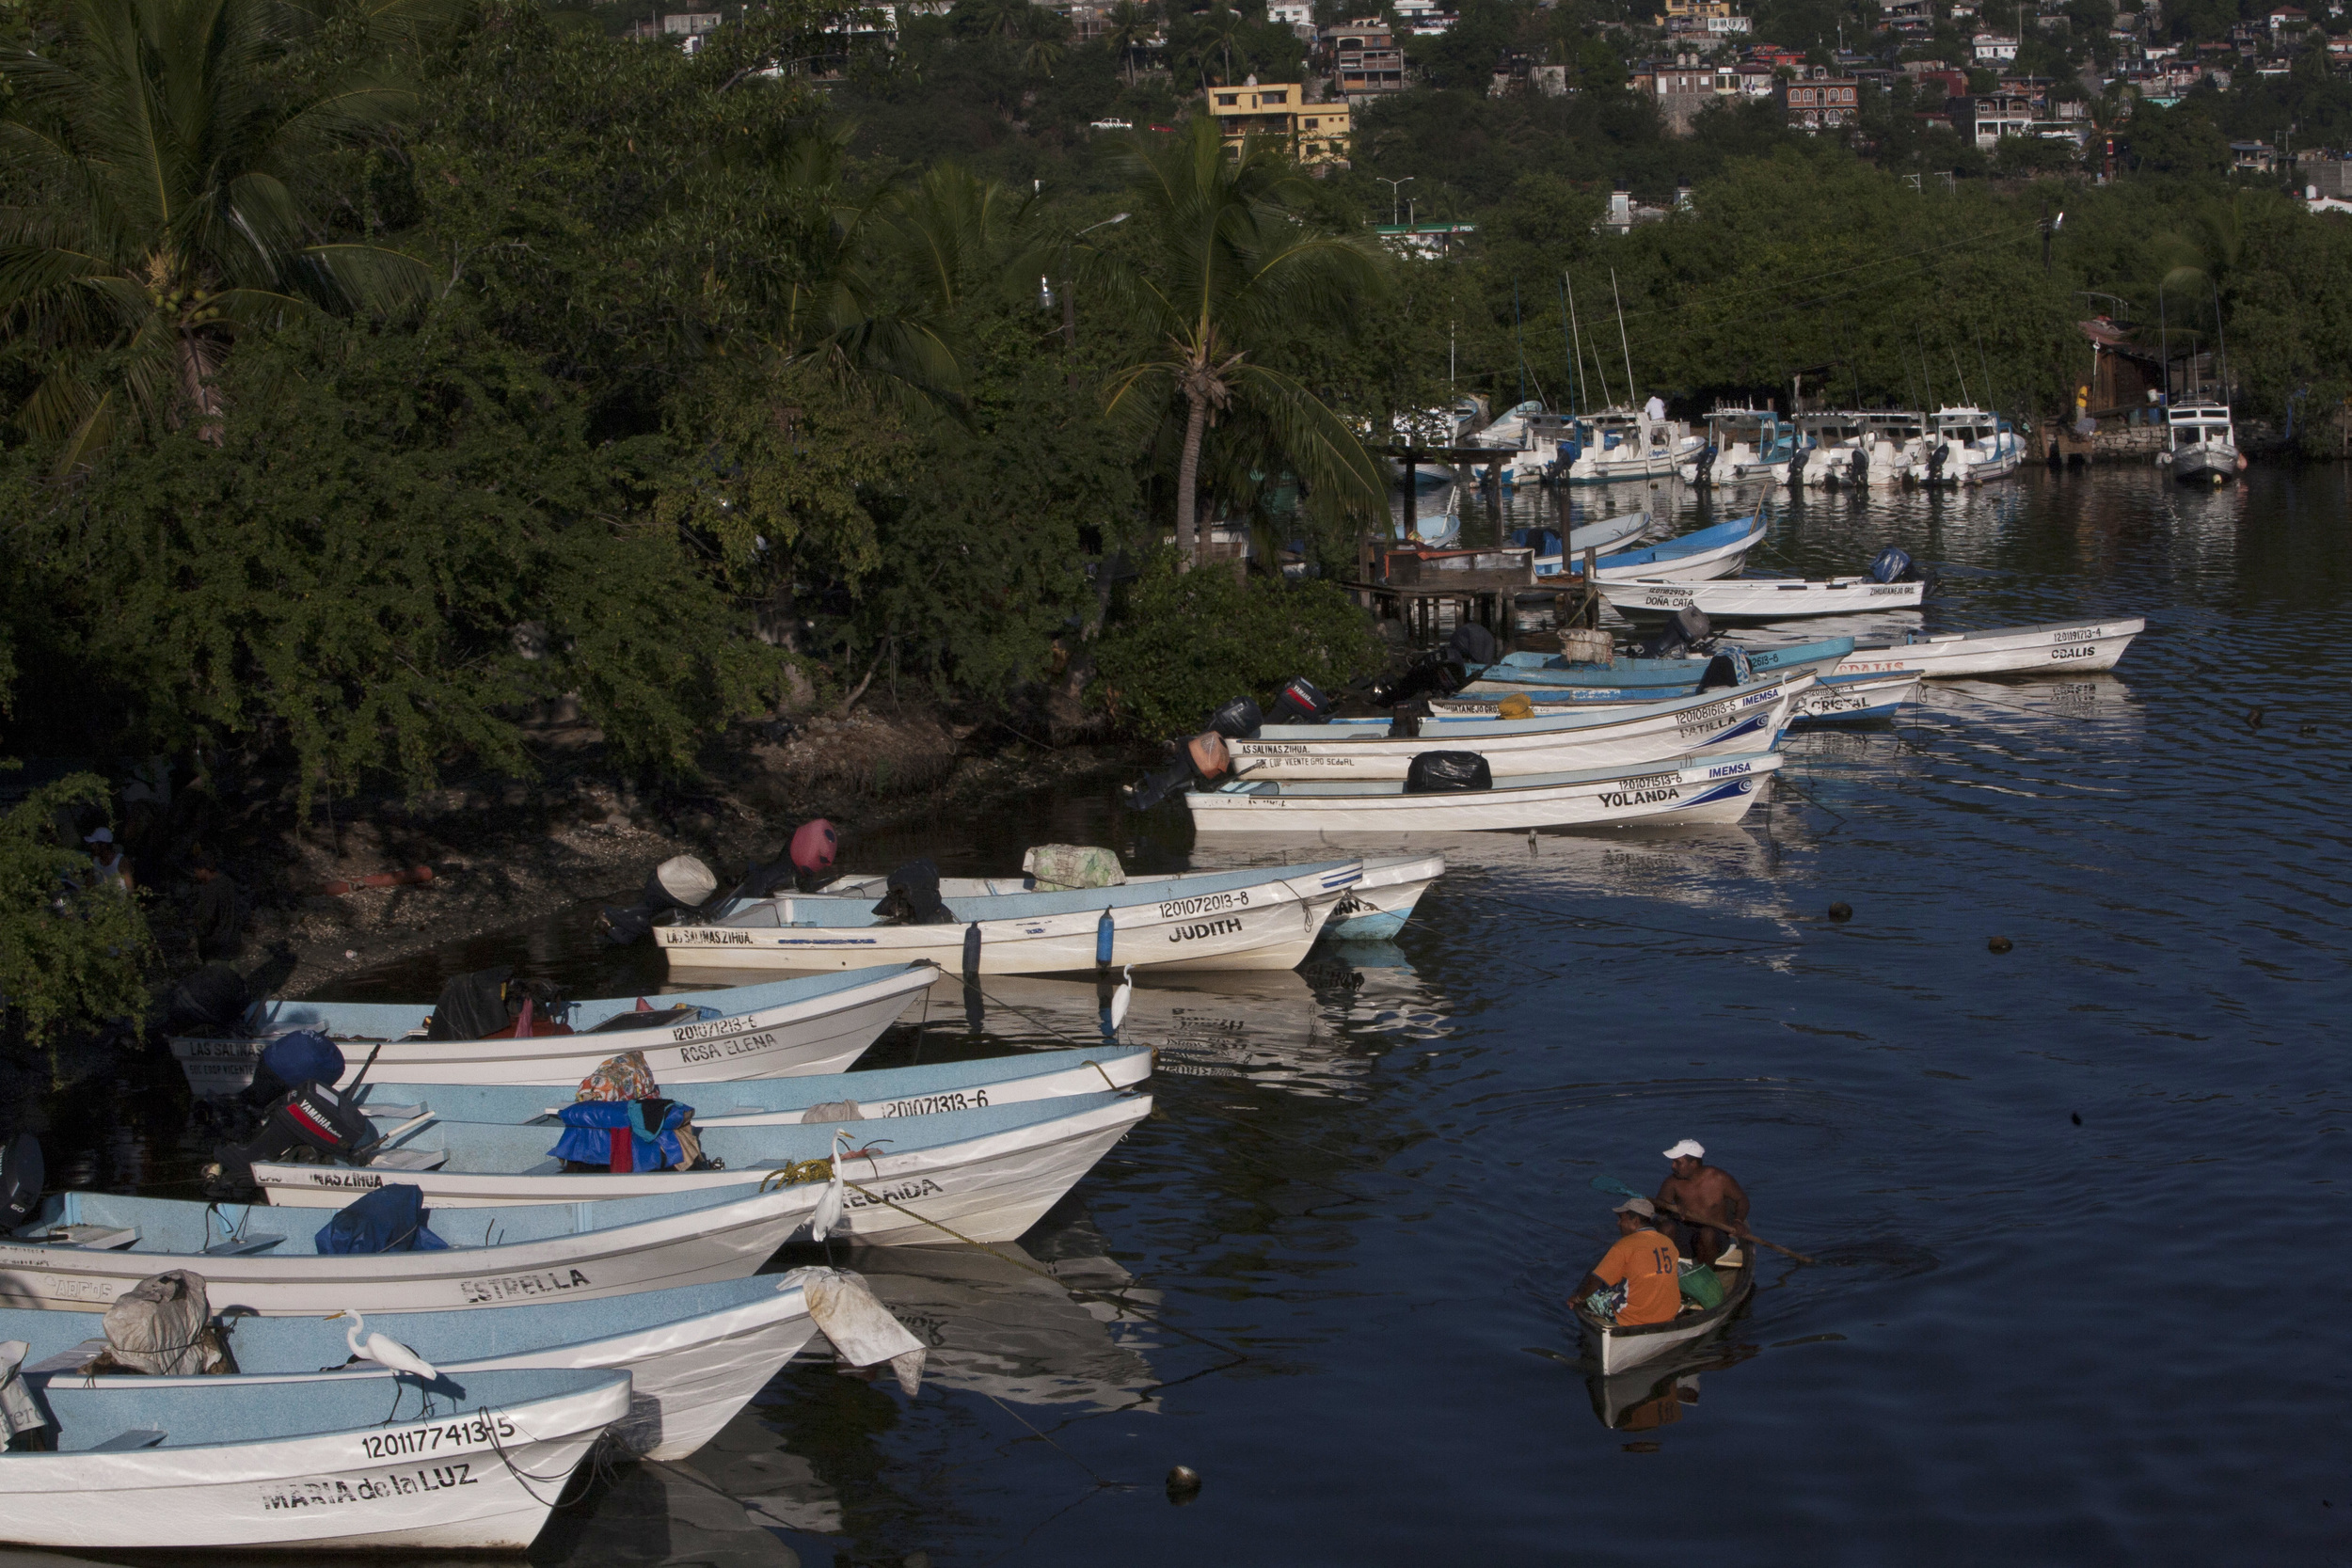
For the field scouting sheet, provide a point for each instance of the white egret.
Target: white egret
(382, 1349)
(1124, 994)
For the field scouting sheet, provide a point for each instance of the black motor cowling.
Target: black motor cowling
(212, 1001)
(1448, 773)
(1896, 566)
(1706, 473)
(1438, 674)
(1300, 702)
(21, 1177)
(487, 1002)
(314, 1123)
(1858, 467)
(913, 898)
(1195, 759)
(1687, 629)
(1404, 720)
(1796, 467)
(1238, 720)
(1937, 457)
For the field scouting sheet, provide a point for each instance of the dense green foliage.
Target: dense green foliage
(70, 957)
(1185, 642)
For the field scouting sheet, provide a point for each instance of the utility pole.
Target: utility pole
(1395, 202)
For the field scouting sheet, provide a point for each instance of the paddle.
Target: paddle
(1611, 1184)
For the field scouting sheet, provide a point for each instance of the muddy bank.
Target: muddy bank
(486, 853)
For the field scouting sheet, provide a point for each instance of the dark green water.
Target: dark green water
(2073, 1206)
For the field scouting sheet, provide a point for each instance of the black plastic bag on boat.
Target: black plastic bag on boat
(1448, 773)
(1472, 644)
(472, 1006)
(914, 898)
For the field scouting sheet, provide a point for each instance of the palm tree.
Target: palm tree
(1228, 269)
(164, 165)
(1128, 26)
(1222, 24)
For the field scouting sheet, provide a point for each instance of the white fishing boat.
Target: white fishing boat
(1969, 446)
(1863, 450)
(1617, 1348)
(1699, 789)
(1854, 700)
(2200, 442)
(1743, 446)
(1707, 553)
(86, 1248)
(694, 1355)
(875, 1096)
(1752, 599)
(1554, 554)
(1262, 918)
(1728, 720)
(988, 1173)
(818, 1024)
(367, 1463)
(1618, 444)
(2060, 647)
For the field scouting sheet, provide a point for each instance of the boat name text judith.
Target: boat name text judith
(318, 1493)
(735, 1045)
(1203, 904)
(514, 1287)
(479, 1432)
(1227, 927)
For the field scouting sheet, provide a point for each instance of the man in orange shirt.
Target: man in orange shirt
(1643, 1261)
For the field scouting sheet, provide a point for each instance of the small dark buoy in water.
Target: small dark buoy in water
(2253, 718)
(1999, 944)
(2078, 1115)
(1184, 1485)
(2308, 729)
(1841, 912)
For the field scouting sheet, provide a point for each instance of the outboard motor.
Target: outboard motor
(1796, 467)
(21, 1175)
(1936, 459)
(1472, 645)
(1892, 565)
(1858, 470)
(1439, 674)
(1687, 631)
(1299, 703)
(1705, 475)
(1238, 720)
(680, 882)
(312, 1121)
(1404, 720)
(1199, 759)
(914, 898)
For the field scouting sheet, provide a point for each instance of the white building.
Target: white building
(1994, 49)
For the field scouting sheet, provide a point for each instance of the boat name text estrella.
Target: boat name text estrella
(1227, 927)
(1729, 769)
(367, 1489)
(905, 1192)
(515, 1287)
(447, 1437)
(1203, 904)
(928, 1104)
(730, 1045)
(344, 1178)
(708, 937)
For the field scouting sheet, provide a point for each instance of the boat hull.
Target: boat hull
(2062, 647)
(1619, 1349)
(825, 1033)
(468, 1479)
(1756, 599)
(1384, 901)
(2205, 465)
(1854, 700)
(1702, 790)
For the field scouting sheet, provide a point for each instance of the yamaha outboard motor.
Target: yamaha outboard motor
(680, 882)
(1299, 703)
(21, 1175)
(1238, 720)
(1686, 631)
(1936, 459)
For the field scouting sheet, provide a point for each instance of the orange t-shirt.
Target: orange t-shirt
(1653, 1286)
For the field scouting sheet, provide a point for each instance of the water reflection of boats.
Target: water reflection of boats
(1654, 1396)
(654, 1515)
(1004, 1321)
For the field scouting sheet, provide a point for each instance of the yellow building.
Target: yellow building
(1315, 133)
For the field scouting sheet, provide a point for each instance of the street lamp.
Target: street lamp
(1395, 187)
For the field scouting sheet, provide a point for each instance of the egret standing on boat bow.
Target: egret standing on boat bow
(1642, 1261)
(1700, 1192)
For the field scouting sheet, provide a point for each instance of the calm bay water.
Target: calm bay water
(2070, 1204)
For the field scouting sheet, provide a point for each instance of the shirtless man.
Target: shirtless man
(1705, 1192)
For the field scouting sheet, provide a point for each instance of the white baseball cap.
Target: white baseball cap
(1689, 1146)
(103, 835)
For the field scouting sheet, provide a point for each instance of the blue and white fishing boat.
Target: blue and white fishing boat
(694, 1355)
(366, 1462)
(1743, 446)
(1266, 917)
(1710, 552)
(1554, 554)
(1969, 446)
(987, 1173)
(818, 1024)
(86, 1248)
(1746, 718)
(1692, 790)
(1854, 700)
(876, 1096)
(1619, 446)
(1547, 678)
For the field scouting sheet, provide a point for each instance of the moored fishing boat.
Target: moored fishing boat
(1742, 445)
(1260, 918)
(1969, 446)
(876, 1096)
(1854, 700)
(2059, 647)
(2200, 443)
(1616, 446)
(85, 1247)
(989, 1173)
(694, 1355)
(818, 1024)
(1757, 599)
(256, 1463)
(1702, 789)
(1544, 679)
(1731, 719)
(1554, 554)
(1709, 552)
(1617, 1348)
